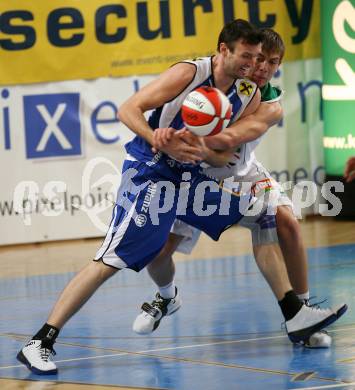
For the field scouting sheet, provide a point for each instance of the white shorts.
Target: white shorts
(259, 178)
(190, 236)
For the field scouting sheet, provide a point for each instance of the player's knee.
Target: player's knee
(168, 249)
(162, 259)
(287, 224)
(102, 270)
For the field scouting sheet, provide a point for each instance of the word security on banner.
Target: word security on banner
(134, 37)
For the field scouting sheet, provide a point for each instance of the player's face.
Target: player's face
(241, 61)
(266, 66)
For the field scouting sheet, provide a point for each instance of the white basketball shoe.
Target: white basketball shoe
(319, 339)
(36, 355)
(152, 313)
(310, 320)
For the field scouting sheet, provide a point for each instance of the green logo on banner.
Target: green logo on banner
(338, 45)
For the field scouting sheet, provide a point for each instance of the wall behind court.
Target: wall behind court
(61, 146)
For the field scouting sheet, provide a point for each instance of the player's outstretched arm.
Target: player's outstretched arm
(250, 127)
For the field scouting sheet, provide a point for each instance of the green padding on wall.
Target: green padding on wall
(338, 54)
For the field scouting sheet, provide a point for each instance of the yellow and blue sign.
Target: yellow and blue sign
(61, 40)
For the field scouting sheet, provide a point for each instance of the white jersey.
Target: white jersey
(243, 158)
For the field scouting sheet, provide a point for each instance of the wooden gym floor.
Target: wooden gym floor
(226, 335)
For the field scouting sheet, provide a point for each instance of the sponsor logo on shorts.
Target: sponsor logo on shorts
(261, 185)
(140, 220)
(152, 188)
(155, 159)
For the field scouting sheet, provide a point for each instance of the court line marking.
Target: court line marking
(303, 376)
(326, 386)
(22, 336)
(202, 362)
(347, 360)
(154, 350)
(166, 338)
(151, 350)
(147, 353)
(51, 384)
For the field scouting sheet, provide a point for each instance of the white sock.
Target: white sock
(303, 297)
(168, 291)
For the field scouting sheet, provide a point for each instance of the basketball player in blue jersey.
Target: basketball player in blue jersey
(244, 168)
(141, 223)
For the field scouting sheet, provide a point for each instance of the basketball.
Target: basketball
(206, 111)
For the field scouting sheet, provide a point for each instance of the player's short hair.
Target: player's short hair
(272, 42)
(238, 29)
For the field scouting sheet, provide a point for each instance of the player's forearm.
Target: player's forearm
(241, 132)
(132, 116)
(218, 159)
(246, 130)
(234, 136)
(221, 142)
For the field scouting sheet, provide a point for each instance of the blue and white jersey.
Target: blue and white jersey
(239, 94)
(244, 158)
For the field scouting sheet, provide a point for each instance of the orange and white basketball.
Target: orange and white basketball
(206, 111)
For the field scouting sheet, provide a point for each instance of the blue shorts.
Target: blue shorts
(149, 200)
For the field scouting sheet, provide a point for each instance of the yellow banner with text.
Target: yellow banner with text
(79, 39)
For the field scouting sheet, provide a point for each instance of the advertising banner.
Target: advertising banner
(61, 157)
(62, 148)
(66, 40)
(338, 47)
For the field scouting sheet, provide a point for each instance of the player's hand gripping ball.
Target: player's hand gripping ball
(206, 111)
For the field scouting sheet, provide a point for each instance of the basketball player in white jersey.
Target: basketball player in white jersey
(133, 239)
(246, 169)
